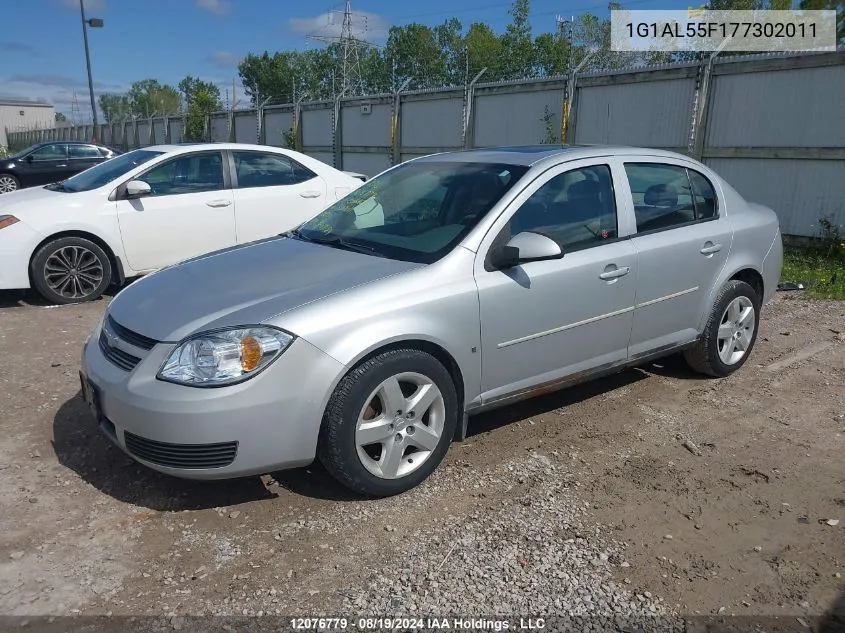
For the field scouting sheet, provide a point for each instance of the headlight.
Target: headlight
(224, 357)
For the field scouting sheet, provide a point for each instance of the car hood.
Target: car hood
(243, 285)
(26, 199)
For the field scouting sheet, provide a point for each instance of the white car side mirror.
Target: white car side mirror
(137, 189)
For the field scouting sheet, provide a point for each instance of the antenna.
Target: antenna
(351, 46)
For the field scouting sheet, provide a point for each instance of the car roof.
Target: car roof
(192, 147)
(529, 155)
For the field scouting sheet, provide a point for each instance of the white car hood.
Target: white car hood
(32, 199)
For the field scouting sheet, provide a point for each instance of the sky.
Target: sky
(43, 57)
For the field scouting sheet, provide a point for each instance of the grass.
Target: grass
(822, 272)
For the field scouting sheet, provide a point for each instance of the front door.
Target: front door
(45, 165)
(190, 212)
(682, 242)
(273, 193)
(543, 320)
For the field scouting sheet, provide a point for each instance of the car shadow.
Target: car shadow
(20, 298)
(81, 446)
(833, 620)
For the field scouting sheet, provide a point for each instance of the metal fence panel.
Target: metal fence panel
(175, 130)
(361, 129)
(799, 108)
(326, 157)
(246, 127)
(799, 191)
(129, 135)
(436, 123)
(368, 163)
(160, 131)
(649, 114)
(220, 127)
(143, 133)
(317, 127)
(516, 118)
(276, 123)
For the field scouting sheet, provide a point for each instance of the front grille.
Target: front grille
(181, 455)
(133, 338)
(122, 359)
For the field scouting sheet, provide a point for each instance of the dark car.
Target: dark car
(44, 163)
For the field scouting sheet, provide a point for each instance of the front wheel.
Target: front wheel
(730, 332)
(9, 183)
(70, 270)
(389, 423)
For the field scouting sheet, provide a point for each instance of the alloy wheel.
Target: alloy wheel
(736, 330)
(400, 425)
(7, 184)
(74, 272)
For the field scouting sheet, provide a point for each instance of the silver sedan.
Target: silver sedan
(445, 286)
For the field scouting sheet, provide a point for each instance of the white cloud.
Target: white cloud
(90, 5)
(365, 26)
(224, 59)
(218, 7)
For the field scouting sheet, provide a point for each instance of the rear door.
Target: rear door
(273, 193)
(682, 241)
(189, 212)
(81, 157)
(45, 165)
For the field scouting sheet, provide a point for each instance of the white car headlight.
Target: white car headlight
(224, 357)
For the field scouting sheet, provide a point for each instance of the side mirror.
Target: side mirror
(137, 189)
(28, 158)
(525, 247)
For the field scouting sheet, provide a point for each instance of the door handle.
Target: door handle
(310, 194)
(709, 248)
(219, 203)
(615, 273)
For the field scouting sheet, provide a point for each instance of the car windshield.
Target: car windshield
(107, 171)
(416, 212)
(24, 151)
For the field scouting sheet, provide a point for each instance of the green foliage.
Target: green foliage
(60, 117)
(551, 134)
(199, 100)
(289, 138)
(148, 98)
(115, 107)
(821, 265)
(833, 5)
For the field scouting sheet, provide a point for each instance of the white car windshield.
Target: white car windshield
(105, 172)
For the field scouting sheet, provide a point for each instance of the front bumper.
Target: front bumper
(17, 243)
(270, 422)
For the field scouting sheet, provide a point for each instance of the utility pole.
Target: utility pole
(93, 23)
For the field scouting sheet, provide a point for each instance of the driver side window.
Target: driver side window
(193, 173)
(577, 209)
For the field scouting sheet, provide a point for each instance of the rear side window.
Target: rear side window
(577, 209)
(666, 196)
(259, 169)
(83, 151)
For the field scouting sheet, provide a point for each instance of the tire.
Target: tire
(86, 266)
(721, 357)
(9, 183)
(367, 397)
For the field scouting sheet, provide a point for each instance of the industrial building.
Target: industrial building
(17, 115)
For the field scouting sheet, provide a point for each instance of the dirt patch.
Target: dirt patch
(739, 525)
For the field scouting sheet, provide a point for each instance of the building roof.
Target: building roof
(24, 103)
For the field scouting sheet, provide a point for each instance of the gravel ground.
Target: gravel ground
(632, 501)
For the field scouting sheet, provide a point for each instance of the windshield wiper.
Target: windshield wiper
(335, 242)
(58, 186)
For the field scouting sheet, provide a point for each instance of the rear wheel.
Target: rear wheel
(70, 270)
(389, 423)
(730, 332)
(9, 183)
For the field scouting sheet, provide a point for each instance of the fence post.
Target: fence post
(469, 115)
(396, 125)
(337, 133)
(297, 124)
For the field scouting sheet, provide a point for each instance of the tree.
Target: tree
(518, 48)
(190, 86)
(115, 107)
(484, 50)
(267, 76)
(149, 98)
(60, 118)
(413, 53)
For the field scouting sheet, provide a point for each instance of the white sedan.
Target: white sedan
(154, 207)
